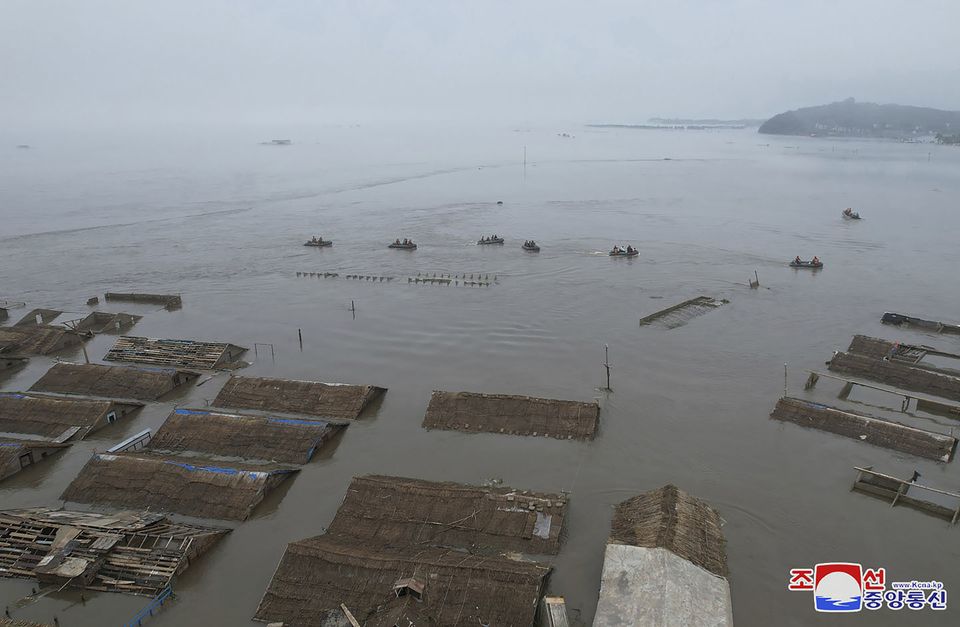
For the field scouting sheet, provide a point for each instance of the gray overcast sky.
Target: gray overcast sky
(100, 62)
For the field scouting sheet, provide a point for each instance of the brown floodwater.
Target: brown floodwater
(221, 220)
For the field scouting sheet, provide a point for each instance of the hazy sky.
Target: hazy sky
(104, 62)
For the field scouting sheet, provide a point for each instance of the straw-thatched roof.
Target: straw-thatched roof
(18, 454)
(401, 511)
(897, 374)
(317, 575)
(51, 416)
(516, 415)
(289, 440)
(112, 381)
(312, 398)
(37, 340)
(866, 428)
(17, 622)
(193, 486)
(672, 519)
(137, 553)
(176, 353)
(169, 301)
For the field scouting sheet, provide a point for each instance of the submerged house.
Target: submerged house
(132, 552)
(515, 415)
(284, 440)
(38, 317)
(423, 552)
(15, 455)
(104, 322)
(665, 564)
(37, 340)
(140, 383)
(188, 485)
(175, 353)
(169, 301)
(311, 398)
(58, 418)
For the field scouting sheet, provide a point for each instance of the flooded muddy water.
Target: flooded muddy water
(222, 220)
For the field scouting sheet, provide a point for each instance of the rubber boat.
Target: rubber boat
(319, 243)
(531, 247)
(483, 241)
(624, 253)
(409, 246)
(806, 264)
(850, 214)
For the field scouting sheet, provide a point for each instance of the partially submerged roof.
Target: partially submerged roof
(103, 321)
(866, 428)
(141, 383)
(16, 455)
(188, 485)
(169, 301)
(179, 353)
(317, 575)
(312, 398)
(665, 564)
(897, 374)
(288, 440)
(46, 316)
(131, 552)
(58, 418)
(37, 340)
(516, 415)
(399, 511)
(9, 362)
(672, 519)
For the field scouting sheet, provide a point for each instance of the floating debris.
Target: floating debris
(678, 315)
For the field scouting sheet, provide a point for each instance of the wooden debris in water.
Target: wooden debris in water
(681, 313)
(515, 415)
(180, 353)
(131, 552)
(866, 428)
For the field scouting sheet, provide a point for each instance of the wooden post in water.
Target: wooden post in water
(300, 335)
(606, 364)
(784, 380)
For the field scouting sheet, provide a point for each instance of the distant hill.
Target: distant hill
(850, 118)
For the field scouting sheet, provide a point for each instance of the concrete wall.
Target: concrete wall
(655, 588)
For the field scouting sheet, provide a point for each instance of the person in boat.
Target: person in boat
(629, 249)
(397, 242)
(797, 261)
(815, 261)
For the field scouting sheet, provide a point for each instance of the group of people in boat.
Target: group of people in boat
(618, 250)
(529, 244)
(848, 212)
(316, 239)
(405, 242)
(494, 238)
(814, 262)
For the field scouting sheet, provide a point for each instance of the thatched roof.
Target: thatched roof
(37, 340)
(112, 381)
(177, 353)
(312, 398)
(137, 553)
(897, 374)
(193, 486)
(672, 519)
(516, 415)
(30, 319)
(287, 440)
(51, 416)
(866, 428)
(16, 622)
(12, 451)
(401, 511)
(318, 574)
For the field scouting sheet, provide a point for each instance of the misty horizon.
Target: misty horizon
(109, 64)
